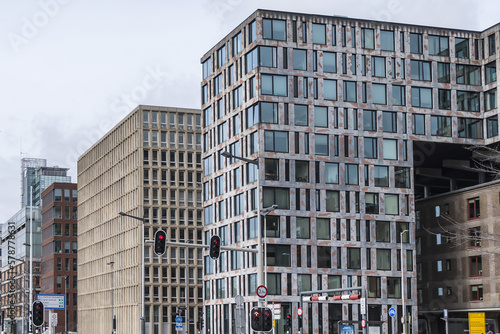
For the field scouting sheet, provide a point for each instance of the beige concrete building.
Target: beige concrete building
(457, 257)
(147, 166)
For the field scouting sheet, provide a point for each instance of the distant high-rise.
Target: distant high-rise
(343, 123)
(35, 178)
(148, 166)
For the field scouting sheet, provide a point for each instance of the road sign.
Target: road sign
(477, 322)
(178, 319)
(53, 320)
(299, 312)
(261, 291)
(362, 305)
(178, 327)
(363, 323)
(347, 329)
(52, 302)
(403, 320)
(392, 312)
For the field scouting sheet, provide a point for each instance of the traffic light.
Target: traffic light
(160, 242)
(288, 320)
(215, 247)
(256, 319)
(37, 313)
(267, 323)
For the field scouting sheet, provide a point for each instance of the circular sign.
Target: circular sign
(403, 320)
(299, 312)
(363, 323)
(261, 291)
(178, 319)
(392, 311)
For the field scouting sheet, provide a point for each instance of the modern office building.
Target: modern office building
(343, 123)
(148, 167)
(457, 249)
(59, 250)
(35, 177)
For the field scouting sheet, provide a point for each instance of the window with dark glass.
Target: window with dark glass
(321, 144)
(476, 292)
(441, 126)
(371, 203)
(461, 47)
(379, 93)
(468, 75)
(330, 89)
(420, 70)
(470, 128)
(492, 126)
(301, 115)
(402, 177)
(381, 176)
(320, 116)
(387, 40)
(378, 67)
(271, 169)
(370, 150)
(267, 56)
(269, 112)
(383, 259)
(444, 99)
(221, 56)
(467, 101)
(416, 43)
(443, 72)
(274, 85)
(490, 72)
(319, 33)
(490, 99)
(418, 124)
(473, 208)
(475, 236)
(390, 121)
(383, 231)
(476, 266)
(278, 255)
(276, 141)
(374, 286)
(323, 228)
(421, 97)
(324, 257)
(299, 59)
(331, 172)
(398, 95)
(274, 29)
(369, 120)
(393, 287)
(350, 94)
(439, 46)
(329, 62)
(301, 171)
(353, 258)
(351, 174)
(367, 38)
(332, 201)
(491, 45)
(278, 196)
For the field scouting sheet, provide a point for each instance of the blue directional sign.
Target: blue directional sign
(178, 319)
(392, 312)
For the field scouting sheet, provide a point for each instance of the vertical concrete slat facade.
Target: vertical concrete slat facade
(126, 171)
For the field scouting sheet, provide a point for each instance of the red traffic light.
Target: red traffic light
(160, 242)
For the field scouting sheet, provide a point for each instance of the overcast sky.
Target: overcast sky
(71, 69)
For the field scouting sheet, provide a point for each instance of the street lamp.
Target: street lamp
(143, 321)
(402, 282)
(260, 278)
(111, 263)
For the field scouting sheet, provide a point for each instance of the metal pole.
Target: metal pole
(260, 274)
(65, 304)
(143, 320)
(403, 284)
(30, 327)
(111, 263)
